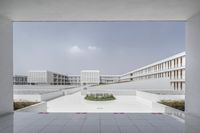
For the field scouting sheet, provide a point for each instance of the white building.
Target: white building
(20, 80)
(74, 79)
(90, 77)
(104, 79)
(172, 68)
(109, 79)
(46, 77)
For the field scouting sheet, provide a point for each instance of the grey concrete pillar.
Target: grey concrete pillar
(193, 65)
(6, 65)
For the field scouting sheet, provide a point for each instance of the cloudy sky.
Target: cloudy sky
(111, 47)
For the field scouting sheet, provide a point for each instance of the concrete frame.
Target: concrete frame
(193, 65)
(6, 65)
(191, 14)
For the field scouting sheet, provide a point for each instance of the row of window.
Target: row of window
(178, 85)
(177, 74)
(175, 63)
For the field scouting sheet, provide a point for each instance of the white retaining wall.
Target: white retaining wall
(22, 97)
(38, 97)
(110, 91)
(148, 84)
(156, 97)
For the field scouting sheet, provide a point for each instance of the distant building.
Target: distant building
(47, 77)
(108, 79)
(90, 77)
(74, 79)
(172, 68)
(20, 80)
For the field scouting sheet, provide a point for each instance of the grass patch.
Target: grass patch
(177, 104)
(23, 104)
(100, 97)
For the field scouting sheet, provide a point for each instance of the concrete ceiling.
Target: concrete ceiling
(98, 10)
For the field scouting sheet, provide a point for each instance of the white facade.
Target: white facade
(109, 79)
(40, 77)
(20, 80)
(46, 77)
(104, 79)
(90, 77)
(74, 79)
(172, 68)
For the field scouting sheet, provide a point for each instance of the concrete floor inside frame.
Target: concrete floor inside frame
(89, 123)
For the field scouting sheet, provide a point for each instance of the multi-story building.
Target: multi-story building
(74, 79)
(60, 79)
(104, 79)
(108, 79)
(20, 80)
(172, 68)
(47, 77)
(90, 77)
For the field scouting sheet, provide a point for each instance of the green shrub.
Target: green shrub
(22, 104)
(177, 104)
(99, 97)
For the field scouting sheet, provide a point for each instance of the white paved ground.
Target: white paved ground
(26, 122)
(77, 103)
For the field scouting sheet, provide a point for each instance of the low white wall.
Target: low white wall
(38, 97)
(40, 107)
(22, 97)
(48, 87)
(156, 97)
(148, 84)
(160, 108)
(110, 91)
(168, 110)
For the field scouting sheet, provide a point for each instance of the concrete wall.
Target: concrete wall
(49, 77)
(149, 84)
(156, 98)
(109, 91)
(38, 97)
(41, 87)
(22, 97)
(6, 65)
(193, 65)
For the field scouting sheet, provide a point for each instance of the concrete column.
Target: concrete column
(193, 65)
(179, 62)
(179, 74)
(183, 74)
(6, 66)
